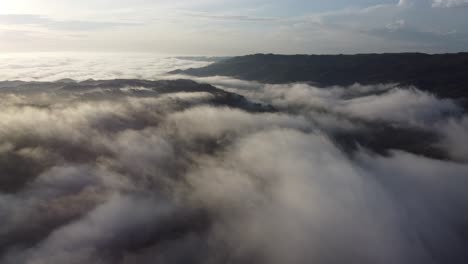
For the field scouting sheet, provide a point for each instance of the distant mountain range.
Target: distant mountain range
(445, 75)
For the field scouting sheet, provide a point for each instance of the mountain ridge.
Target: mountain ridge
(445, 75)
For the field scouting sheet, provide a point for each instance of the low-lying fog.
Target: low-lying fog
(173, 172)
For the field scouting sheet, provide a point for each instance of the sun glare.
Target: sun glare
(19, 6)
(7, 7)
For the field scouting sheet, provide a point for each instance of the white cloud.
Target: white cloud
(373, 102)
(449, 3)
(83, 66)
(399, 24)
(400, 105)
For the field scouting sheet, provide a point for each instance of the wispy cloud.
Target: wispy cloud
(42, 21)
(240, 18)
(450, 3)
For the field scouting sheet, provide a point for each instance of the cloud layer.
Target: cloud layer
(83, 66)
(132, 172)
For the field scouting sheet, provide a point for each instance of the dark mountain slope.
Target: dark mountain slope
(106, 89)
(443, 74)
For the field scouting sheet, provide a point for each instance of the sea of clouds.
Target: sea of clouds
(83, 66)
(128, 174)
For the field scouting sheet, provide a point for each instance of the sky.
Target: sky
(221, 27)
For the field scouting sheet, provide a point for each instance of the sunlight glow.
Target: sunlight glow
(8, 7)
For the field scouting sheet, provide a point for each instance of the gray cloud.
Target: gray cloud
(455, 130)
